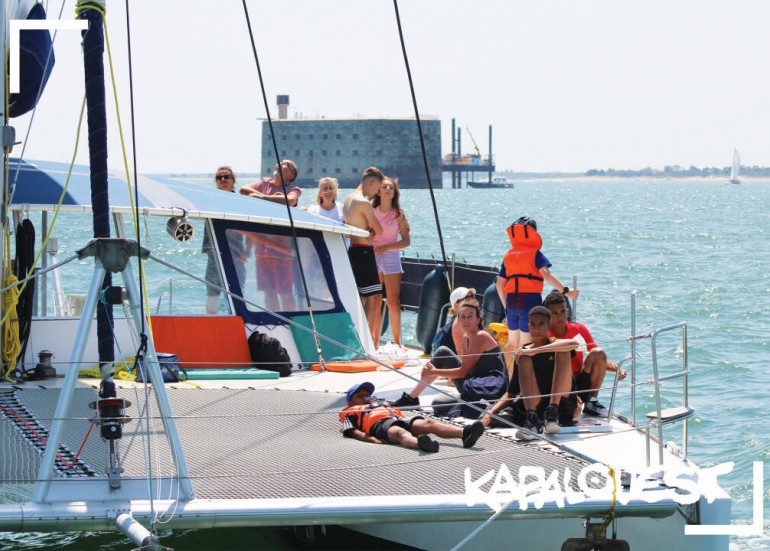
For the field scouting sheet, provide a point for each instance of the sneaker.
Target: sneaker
(471, 433)
(593, 407)
(533, 425)
(551, 417)
(427, 444)
(406, 401)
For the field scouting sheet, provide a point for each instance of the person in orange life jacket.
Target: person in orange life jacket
(520, 281)
(380, 423)
(543, 368)
(589, 372)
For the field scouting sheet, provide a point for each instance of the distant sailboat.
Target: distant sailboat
(736, 168)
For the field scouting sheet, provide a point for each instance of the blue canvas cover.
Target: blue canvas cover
(35, 63)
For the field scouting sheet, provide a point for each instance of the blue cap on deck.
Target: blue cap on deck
(369, 387)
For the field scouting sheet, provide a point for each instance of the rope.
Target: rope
(295, 242)
(11, 342)
(422, 138)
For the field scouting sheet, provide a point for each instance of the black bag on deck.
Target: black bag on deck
(267, 353)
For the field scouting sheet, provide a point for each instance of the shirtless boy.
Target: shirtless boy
(359, 212)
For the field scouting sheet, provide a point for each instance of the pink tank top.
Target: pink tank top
(389, 224)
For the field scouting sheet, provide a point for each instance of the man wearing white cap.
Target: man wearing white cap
(448, 337)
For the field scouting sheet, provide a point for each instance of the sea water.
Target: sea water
(693, 251)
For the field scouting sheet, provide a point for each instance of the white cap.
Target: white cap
(460, 293)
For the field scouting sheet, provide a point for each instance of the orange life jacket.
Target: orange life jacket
(366, 416)
(521, 272)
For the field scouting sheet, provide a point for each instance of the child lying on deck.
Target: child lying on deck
(378, 423)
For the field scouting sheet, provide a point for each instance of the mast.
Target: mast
(6, 153)
(93, 63)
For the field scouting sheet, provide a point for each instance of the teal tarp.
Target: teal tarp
(338, 326)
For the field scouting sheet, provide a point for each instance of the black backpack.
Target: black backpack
(267, 353)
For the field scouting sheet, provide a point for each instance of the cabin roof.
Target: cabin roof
(38, 185)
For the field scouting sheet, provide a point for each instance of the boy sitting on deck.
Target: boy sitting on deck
(544, 380)
(589, 372)
(380, 423)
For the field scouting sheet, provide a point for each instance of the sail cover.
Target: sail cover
(36, 61)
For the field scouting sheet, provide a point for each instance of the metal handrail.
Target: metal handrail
(656, 381)
(169, 294)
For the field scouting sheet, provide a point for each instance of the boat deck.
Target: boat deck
(260, 443)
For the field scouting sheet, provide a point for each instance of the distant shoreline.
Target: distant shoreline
(562, 177)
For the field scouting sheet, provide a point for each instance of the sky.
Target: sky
(568, 85)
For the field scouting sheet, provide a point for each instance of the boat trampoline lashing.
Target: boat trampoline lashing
(36, 434)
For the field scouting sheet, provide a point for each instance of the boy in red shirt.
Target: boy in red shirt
(588, 373)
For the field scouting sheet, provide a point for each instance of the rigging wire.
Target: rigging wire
(295, 242)
(422, 137)
(143, 335)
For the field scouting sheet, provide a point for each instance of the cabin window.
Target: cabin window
(173, 293)
(267, 272)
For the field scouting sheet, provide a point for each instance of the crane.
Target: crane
(475, 146)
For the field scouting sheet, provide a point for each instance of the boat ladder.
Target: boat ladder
(659, 417)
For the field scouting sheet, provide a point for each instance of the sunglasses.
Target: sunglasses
(224, 177)
(388, 186)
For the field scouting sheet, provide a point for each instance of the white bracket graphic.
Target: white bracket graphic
(743, 530)
(18, 25)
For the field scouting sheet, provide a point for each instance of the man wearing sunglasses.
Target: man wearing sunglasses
(224, 179)
(271, 189)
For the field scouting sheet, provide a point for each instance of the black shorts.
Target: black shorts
(583, 383)
(380, 428)
(365, 270)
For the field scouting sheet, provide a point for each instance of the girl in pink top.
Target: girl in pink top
(387, 253)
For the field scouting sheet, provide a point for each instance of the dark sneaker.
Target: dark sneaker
(406, 401)
(427, 444)
(593, 407)
(471, 433)
(551, 417)
(532, 424)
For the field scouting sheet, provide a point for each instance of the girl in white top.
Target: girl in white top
(326, 198)
(387, 250)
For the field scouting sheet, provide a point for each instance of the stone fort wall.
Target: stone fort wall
(344, 148)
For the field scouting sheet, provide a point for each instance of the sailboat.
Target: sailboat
(237, 446)
(735, 169)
